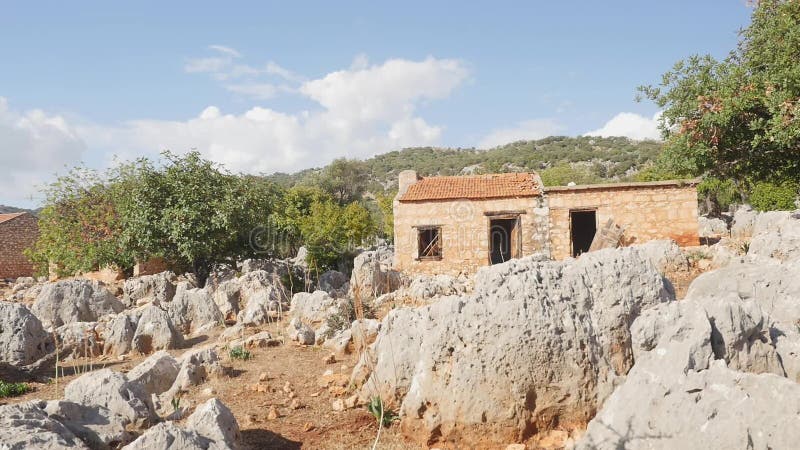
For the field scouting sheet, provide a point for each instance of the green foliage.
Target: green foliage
(564, 174)
(770, 197)
(737, 118)
(344, 179)
(385, 217)
(330, 231)
(383, 416)
(79, 228)
(13, 389)
(717, 195)
(346, 314)
(240, 354)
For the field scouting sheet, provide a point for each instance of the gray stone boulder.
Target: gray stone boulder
(193, 309)
(155, 331)
(196, 366)
(743, 220)
(226, 297)
(315, 307)
(428, 287)
(301, 332)
(70, 301)
(98, 427)
(776, 234)
(333, 282)
(373, 275)
(112, 390)
(27, 426)
(156, 288)
(118, 334)
(156, 374)
(538, 343)
(712, 227)
(77, 340)
(262, 305)
(169, 436)
(214, 420)
(23, 340)
(665, 255)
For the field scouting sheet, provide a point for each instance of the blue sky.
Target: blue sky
(263, 86)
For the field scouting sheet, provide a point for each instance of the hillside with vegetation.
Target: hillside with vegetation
(558, 159)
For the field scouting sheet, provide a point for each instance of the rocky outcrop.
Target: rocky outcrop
(537, 344)
(196, 366)
(430, 287)
(314, 308)
(98, 427)
(26, 425)
(154, 331)
(156, 288)
(665, 255)
(111, 390)
(712, 227)
(193, 309)
(776, 235)
(23, 340)
(211, 426)
(743, 220)
(333, 282)
(372, 274)
(78, 339)
(71, 301)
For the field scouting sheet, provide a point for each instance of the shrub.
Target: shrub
(771, 197)
(13, 389)
(384, 416)
(240, 353)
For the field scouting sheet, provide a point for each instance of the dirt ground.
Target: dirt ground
(309, 423)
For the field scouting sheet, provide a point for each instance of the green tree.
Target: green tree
(191, 212)
(739, 117)
(344, 179)
(767, 196)
(331, 232)
(563, 174)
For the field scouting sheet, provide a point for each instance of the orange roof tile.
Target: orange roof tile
(7, 217)
(499, 185)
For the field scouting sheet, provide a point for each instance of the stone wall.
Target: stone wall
(16, 235)
(465, 232)
(647, 211)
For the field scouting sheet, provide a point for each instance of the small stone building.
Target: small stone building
(453, 225)
(18, 232)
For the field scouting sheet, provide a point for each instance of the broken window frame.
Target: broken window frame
(430, 245)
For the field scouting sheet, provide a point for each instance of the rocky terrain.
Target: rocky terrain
(649, 346)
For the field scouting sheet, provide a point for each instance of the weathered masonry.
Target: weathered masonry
(453, 225)
(17, 232)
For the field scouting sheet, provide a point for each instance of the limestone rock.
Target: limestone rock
(26, 425)
(214, 420)
(717, 408)
(156, 289)
(96, 426)
(429, 287)
(70, 301)
(743, 220)
(167, 435)
(712, 227)
(193, 309)
(664, 254)
(196, 366)
(314, 308)
(78, 339)
(364, 332)
(372, 274)
(333, 282)
(155, 374)
(155, 331)
(301, 332)
(111, 390)
(537, 343)
(23, 340)
(119, 332)
(776, 234)
(263, 297)
(226, 297)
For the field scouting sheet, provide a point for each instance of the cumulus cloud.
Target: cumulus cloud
(630, 125)
(361, 111)
(529, 129)
(33, 145)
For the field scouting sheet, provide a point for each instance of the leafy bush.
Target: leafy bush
(13, 389)
(240, 353)
(771, 197)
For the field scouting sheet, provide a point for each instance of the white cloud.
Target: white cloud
(260, 91)
(33, 145)
(226, 50)
(529, 129)
(631, 125)
(361, 111)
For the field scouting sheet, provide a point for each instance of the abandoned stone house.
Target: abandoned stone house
(18, 231)
(455, 224)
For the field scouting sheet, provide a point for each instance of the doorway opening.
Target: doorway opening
(583, 226)
(504, 242)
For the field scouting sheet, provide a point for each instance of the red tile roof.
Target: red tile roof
(7, 217)
(499, 185)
